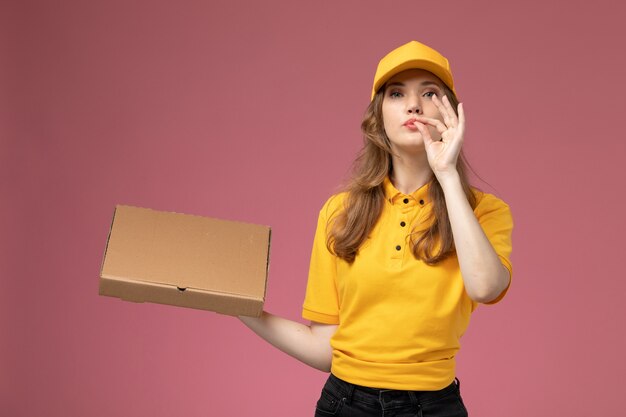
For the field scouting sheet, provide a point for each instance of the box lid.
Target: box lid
(187, 251)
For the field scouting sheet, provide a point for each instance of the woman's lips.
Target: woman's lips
(410, 124)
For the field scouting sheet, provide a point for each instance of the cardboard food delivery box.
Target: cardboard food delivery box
(187, 261)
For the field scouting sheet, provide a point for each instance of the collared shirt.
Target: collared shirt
(399, 319)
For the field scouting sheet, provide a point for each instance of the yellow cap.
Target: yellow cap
(413, 55)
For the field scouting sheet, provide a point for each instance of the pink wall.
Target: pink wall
(233, 109)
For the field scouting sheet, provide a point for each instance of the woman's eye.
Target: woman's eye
(430, 94)
(395, 94)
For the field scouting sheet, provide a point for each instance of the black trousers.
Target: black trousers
(341, 398)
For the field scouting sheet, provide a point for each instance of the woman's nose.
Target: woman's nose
(414, 109)
(413, 105)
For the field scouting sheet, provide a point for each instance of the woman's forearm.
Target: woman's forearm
(483, 274)
(309, 344)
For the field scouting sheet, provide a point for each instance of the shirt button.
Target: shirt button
(421, 202)
(406, 201)
(398, 247)
(402, 224)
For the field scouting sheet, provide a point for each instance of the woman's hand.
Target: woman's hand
(443, 154)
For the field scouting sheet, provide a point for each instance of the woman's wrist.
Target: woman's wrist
(450, 179)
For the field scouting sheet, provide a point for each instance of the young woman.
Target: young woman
(402, 257)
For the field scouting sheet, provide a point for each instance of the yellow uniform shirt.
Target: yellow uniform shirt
(400, 320)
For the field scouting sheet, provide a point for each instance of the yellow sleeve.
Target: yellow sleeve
(321, 300)
(494, 216)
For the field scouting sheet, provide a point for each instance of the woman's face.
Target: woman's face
(408, 94)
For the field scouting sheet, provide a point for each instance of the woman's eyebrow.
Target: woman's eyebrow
(422, 84)
(429, 83)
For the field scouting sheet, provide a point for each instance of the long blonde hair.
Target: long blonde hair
(366, 197)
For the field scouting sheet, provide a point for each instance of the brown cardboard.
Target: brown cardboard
(187, 261)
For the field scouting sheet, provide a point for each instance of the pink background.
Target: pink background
(250, 111)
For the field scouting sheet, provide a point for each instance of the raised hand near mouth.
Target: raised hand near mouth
(443, 153)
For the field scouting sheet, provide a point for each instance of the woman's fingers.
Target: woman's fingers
(461, 117)
(425, 133)
(433, 122)
(446, 110)
(448, 106)
(442, 110)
